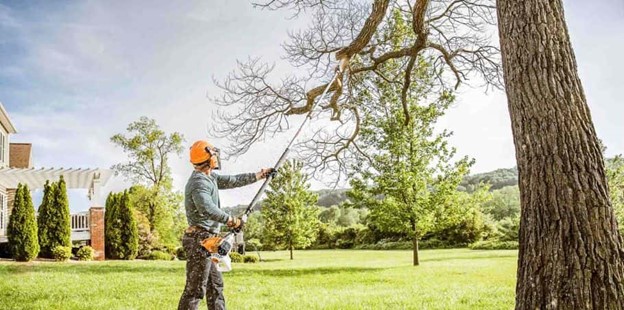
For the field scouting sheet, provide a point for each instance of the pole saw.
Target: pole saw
(220, 248)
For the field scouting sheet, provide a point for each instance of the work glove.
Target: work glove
(235, 223)
(266, 172)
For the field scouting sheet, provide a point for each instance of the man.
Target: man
(204, 216)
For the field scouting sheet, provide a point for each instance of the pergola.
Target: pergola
(35, 178)
(88, 225)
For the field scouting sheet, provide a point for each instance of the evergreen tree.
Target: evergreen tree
(54, 218)
(128, 227)
(120, 228)
(112, 233)
(289, 211)
(44, 221)
(22, 228)
(62, 230)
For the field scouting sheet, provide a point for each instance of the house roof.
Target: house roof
(20, 155)
(5, 121)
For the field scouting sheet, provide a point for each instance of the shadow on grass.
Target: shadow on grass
(464, 257)
(96, 268)
(304, 271)
(270, 260)
(175, 270)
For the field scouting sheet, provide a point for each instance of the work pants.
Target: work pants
(202, 276)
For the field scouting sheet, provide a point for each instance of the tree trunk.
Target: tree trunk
(290, 247)
(415, 244)
(571, 254)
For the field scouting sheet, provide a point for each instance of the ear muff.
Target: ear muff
(215, 157)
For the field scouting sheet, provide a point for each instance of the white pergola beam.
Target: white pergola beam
(74, 178)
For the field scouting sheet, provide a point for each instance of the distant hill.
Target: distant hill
(331, 197)
(327, 198)
(497, 179)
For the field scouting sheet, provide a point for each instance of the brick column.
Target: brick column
(96, 219)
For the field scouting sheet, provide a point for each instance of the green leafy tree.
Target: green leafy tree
(289, 211)
(254, 228)
(615, 176)
(330, 215)
(461, 221)
(505, 203)
(348, 216)
(22, 228)
(163, 211)
(149, 148)
(148, 240)
(407, 175)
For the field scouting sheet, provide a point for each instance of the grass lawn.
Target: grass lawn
(332, 279)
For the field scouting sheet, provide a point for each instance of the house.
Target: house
(16, 166)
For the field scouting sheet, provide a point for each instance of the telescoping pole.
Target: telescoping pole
(282, 158)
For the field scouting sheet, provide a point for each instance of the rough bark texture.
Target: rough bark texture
(570, 251)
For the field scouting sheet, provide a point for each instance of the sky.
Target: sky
(74, 73)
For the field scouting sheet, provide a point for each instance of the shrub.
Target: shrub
(236, 257)
(171, 249)
(494, 245)
(85, 253)
(387, 245)
(365, 236)
(344, 244)
(435, 243)
(181, 253)
(22, 228)
(327, 236)
(251, 259)
(148, 240)
(507, 229)
(253, 244)
(61, 253)
(159, 255)
(5, 252)
(471, 228)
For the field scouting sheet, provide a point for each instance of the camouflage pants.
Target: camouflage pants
(202, 276)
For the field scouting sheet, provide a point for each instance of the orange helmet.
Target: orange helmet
(203, 152)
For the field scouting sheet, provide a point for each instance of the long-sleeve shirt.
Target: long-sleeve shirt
(201, 198)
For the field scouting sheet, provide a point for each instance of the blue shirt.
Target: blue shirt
(201, 198)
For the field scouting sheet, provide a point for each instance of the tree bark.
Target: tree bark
(571, 254)
(415, 244)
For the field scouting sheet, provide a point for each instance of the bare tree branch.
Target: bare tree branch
(454, 35)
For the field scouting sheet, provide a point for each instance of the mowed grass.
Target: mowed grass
(332, 279)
